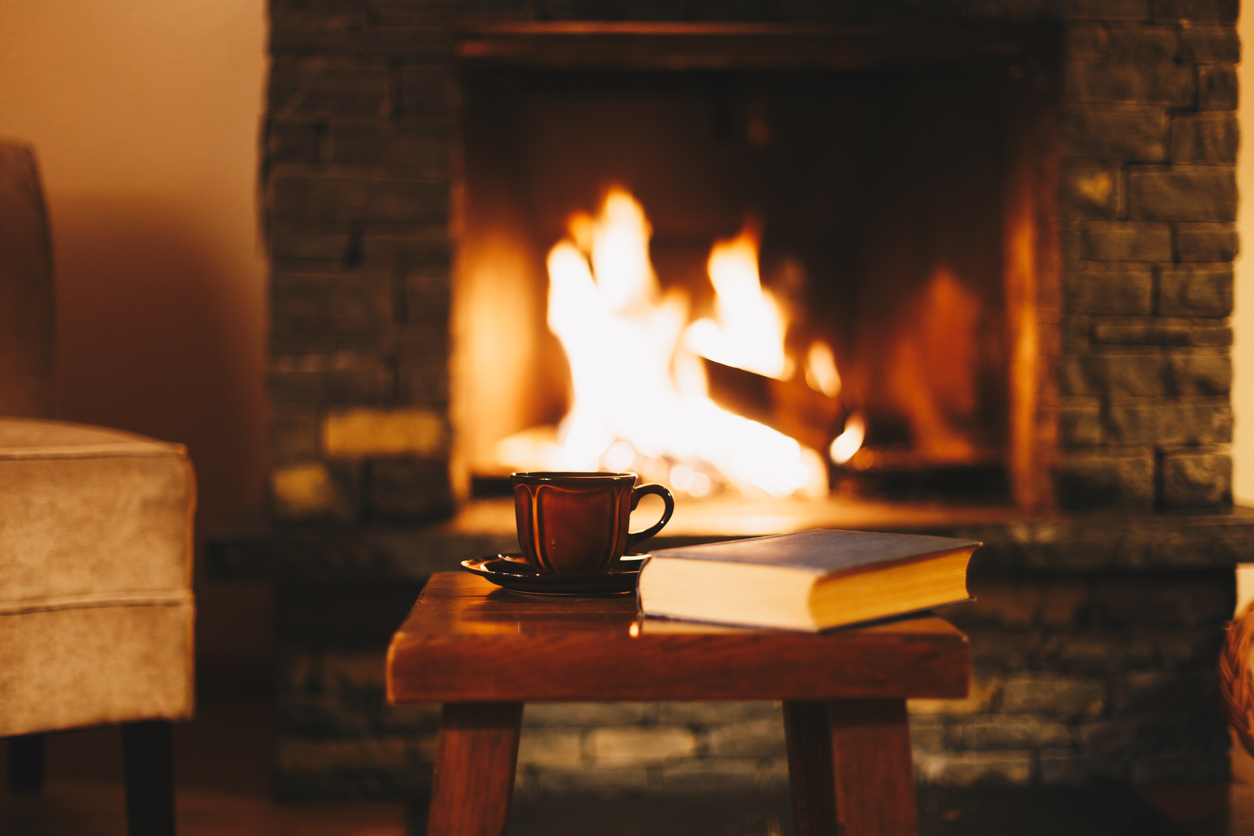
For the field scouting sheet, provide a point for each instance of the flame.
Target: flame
(639, 391)
(749, 333)
(848, 442)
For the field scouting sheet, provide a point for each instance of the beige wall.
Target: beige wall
(145, 119)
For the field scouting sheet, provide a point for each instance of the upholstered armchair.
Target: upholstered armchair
(96, 609)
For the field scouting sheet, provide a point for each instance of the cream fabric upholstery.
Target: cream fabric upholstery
(96, 608)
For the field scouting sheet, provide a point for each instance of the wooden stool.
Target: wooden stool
(483, 652)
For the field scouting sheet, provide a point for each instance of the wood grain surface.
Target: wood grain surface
(809, 739)
(467, 641)
(475, 756)
(871, 768)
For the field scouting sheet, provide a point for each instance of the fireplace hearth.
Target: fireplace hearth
(1096, 167)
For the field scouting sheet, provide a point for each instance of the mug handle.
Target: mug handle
(634, 537)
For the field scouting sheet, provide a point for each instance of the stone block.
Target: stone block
(293, 434)
(1008, 731)
(1095, 482)
(1104, 9)
(757, 739)
(1090, 188)
(1182, 193)
(1208, 138)
(1216, 87)
(1188, 650)
(1160, 331)
(1095, 655)
(1140, 375)
(716, 776)
(1127, 132)
(428, 298)
(542, 714)
(1068, 767)
(1142, 736)
(715, 713)
(550, 748)
(410, 255)
(1064, 601)
(1213, 768)
(626, 746)
(595, 779)
(1210, 44)
(330, 303)
(334, 378)
(307, 490)
(1115, 289)
(428, 91)
(1194, 11)
(364, 432)
(1080, 425)
(1085, 42)
(410, 489)
(1199, 374)
(328, 197)
(325, 755)
(293, 142)
(1145, 45)
(1165, 599)
(970, 769)
(1196, 480)
(1051, 695)
(1147, 83)
(322, 247)
(1205, 242)
(1123, 241)
(1001, 649)
(927, 732)
(320, 88)
(424, 383)
(1171, 423)
(1195, 291)
(1166, 693)
(354, 670)
(395, 145)
(322, 715)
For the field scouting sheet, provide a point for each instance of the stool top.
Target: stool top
(468, 641)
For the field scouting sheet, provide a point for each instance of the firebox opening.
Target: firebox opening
(886, 212)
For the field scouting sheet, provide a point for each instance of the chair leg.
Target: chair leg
(148, 766)
(26, 763)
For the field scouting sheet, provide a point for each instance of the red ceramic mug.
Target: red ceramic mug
(576, 522)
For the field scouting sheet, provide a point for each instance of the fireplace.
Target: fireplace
(1031, 203)
(852, 248)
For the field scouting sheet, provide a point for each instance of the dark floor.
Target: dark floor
(223, 771)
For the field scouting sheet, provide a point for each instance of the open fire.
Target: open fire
(640, 392)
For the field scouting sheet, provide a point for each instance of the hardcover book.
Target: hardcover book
(811, 580)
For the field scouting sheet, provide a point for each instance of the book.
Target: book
(811, 580)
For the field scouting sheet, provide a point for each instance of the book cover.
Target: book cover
(821, 551)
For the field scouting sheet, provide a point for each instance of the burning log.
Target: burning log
(789, 406)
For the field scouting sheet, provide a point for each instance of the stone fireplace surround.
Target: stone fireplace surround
(1097, 626)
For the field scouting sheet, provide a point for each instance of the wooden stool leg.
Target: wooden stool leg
(872, 769)
(475, 755)
(26, 763)
(148, 771)
(809, 739)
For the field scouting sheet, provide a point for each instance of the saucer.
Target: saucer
(513, 572)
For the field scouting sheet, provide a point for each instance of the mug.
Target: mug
(576, 522)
